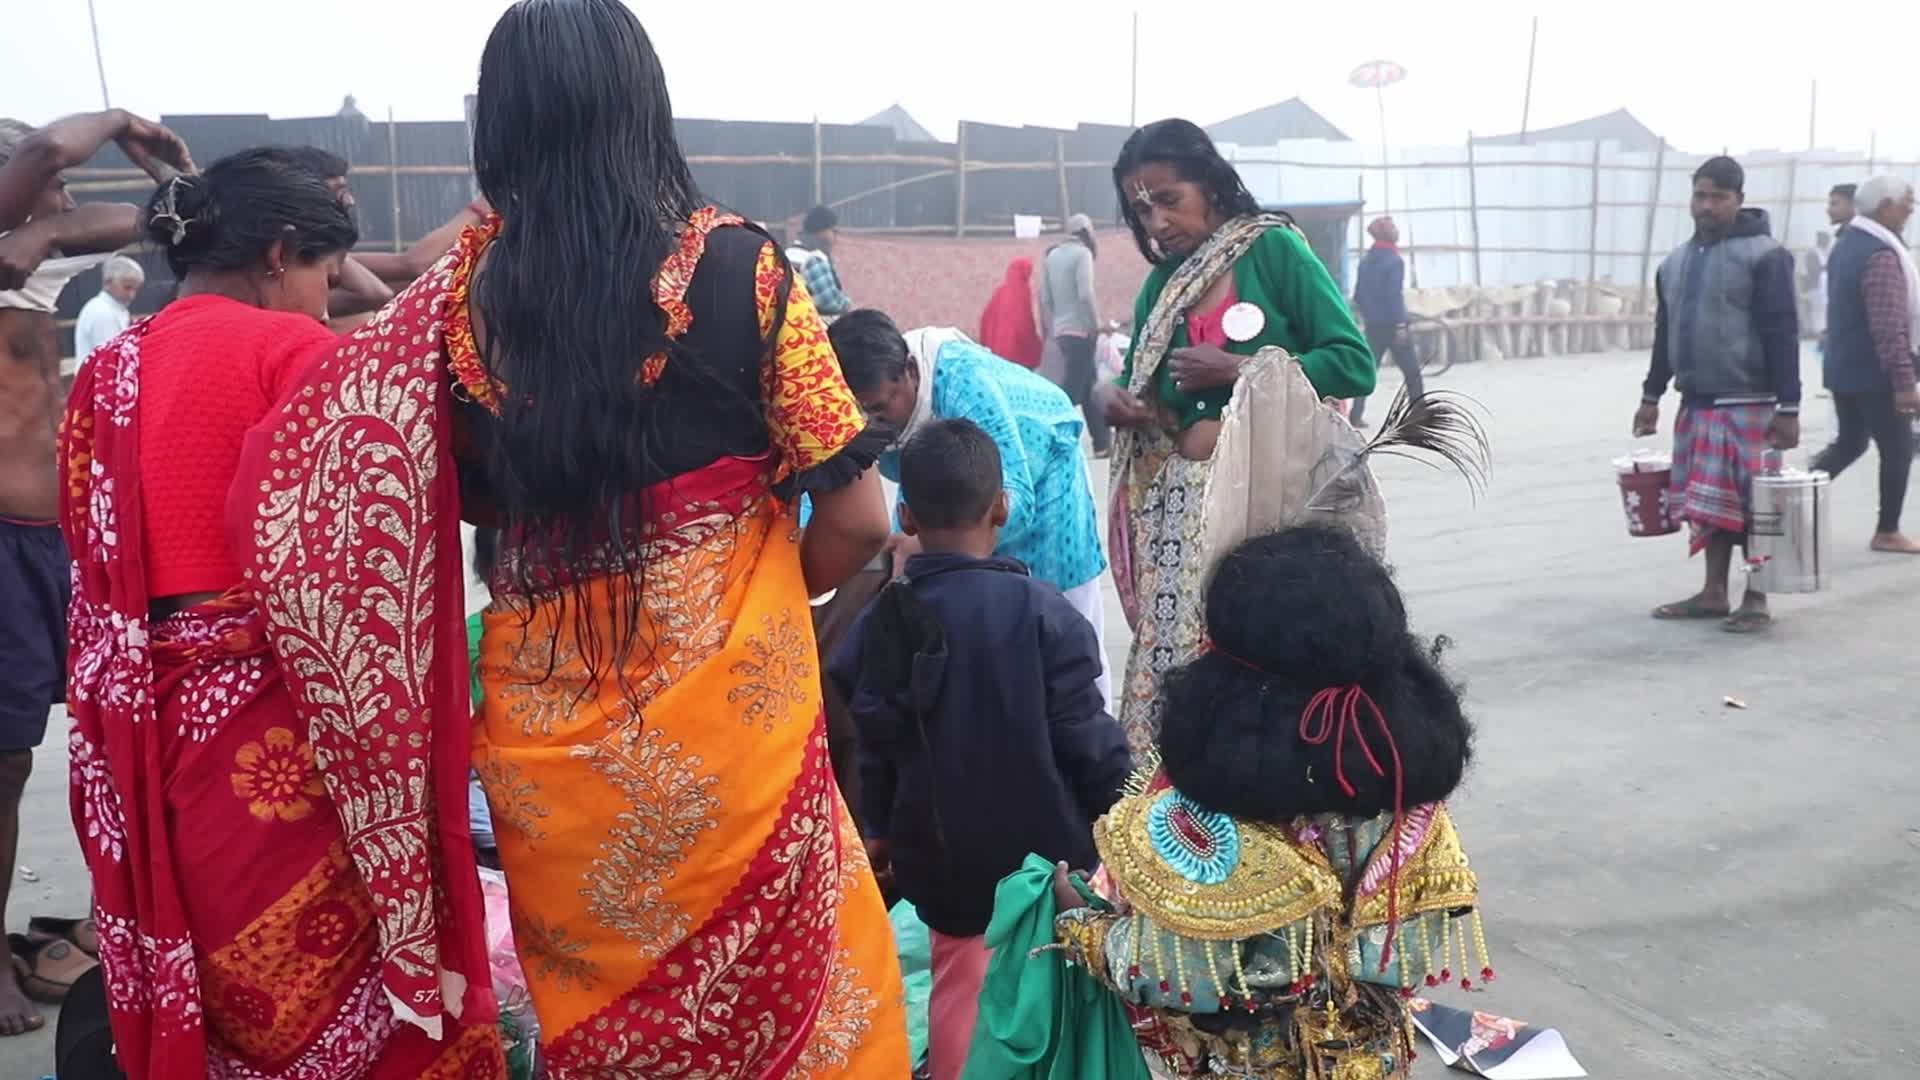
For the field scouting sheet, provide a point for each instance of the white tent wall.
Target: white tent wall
(1536, 204)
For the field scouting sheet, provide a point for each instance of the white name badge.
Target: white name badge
(1243, 321)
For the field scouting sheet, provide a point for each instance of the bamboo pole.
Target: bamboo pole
(1526, 101)
(960, 182)
(1653, 213)
(1786, 214)
(1359, 217)
(393, 177)
(1060, 173)
(1593, 228)
(1473, 209)
(820, 179)
(1473, 219)
(891, 185)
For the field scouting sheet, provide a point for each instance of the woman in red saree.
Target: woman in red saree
(1007, 327)
(246, 891)
(635, 387)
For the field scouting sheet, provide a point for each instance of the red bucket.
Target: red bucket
(1646, 496)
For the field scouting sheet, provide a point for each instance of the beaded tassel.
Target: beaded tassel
(1426, 950)
(1160, 963)
(1406, 980)
(1180, 973)
(1293, 960)
(1306, 960)
(1213, 972)
(1446, 949)
(1465, 981)
(1480, 946)
(1240, 969)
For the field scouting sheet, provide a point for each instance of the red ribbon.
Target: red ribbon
(1329, 716)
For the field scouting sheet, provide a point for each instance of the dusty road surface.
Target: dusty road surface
(1684, 889)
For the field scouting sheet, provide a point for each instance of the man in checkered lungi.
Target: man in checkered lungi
(1727, 334)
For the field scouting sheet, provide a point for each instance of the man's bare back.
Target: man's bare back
(31, 397)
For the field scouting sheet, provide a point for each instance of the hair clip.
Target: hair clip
(169, 211)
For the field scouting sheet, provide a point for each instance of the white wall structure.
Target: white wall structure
(1536, 205)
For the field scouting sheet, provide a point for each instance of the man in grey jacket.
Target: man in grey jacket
(1071, 315)
(1727, 332)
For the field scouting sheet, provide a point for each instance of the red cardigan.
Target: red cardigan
(210, 367)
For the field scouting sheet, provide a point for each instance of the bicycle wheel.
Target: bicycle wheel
(1435, 360)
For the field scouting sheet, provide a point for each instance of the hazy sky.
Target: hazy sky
(1699, 74)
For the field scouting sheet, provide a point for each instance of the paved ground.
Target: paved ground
(1685, 890)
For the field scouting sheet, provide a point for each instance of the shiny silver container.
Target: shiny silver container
(1792, 536)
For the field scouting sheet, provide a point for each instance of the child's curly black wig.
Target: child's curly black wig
(1290, 615)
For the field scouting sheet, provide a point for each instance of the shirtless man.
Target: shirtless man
(41, 232)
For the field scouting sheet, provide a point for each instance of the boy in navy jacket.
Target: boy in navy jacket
(982, 732)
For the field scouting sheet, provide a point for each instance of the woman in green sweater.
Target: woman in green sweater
(1228, 281)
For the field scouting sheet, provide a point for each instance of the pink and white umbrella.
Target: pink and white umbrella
(1377, 75)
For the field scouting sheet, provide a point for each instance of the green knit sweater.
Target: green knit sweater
(1305, 315)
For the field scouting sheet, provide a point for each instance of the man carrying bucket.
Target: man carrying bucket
(1727, 334)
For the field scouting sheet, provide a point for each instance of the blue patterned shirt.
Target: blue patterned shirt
(823, 284)
(1051, 524)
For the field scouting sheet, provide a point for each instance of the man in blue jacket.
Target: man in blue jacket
(1380, 296)
(1727, 332)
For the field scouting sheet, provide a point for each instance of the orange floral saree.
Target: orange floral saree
(690, 898)
(243, 881)
(689, 895)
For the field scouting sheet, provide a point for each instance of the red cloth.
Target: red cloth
(953, 1009)
(1210, 327)
(1006, 326)
(243, 932)
(345, 511)
(209, 368)
(1716, 454)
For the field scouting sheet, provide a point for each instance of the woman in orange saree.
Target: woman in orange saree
(638, 388)
(258, 916)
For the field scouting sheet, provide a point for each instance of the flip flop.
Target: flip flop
(1690, 608)
(47, 971)
(80, 932)
(1747, 622)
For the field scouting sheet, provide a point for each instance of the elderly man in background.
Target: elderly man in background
(111, 310)
(45, 241)
(1873, 327)
(1070, 315)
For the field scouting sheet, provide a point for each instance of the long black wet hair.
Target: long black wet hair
(1183, 145)
(227, 217)
(573, 142)
(1288, 616)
